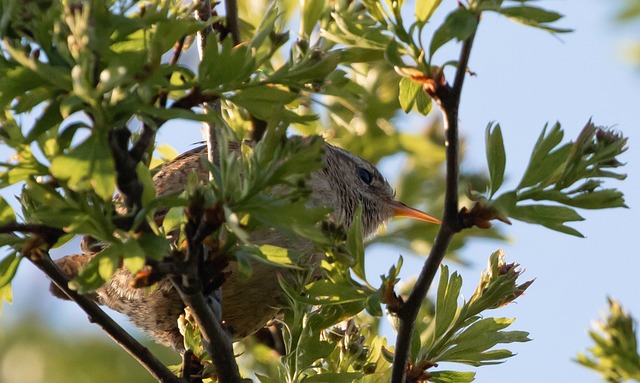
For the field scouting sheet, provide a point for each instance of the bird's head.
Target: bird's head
(346, 181)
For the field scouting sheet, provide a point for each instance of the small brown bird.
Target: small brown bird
(344, 181)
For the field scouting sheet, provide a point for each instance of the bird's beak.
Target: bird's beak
(402, 210)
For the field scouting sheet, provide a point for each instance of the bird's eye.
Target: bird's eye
(365, 176)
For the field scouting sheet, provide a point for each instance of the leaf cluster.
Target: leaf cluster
(568, 174)
(615, 353)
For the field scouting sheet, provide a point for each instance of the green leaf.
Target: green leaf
(280, 256)
(224, 64)
(533, 16)
(447, 301)
(452, 377)
(87, 166)
(56, 76)
(552, 217)
(615, 353)
(543, 162)
(133, 255)
(5, 295)
(496, 157)
(6, 212)
(425, 8)
(148, 190)
(409, 90)
(89, 279)
(8, 268)
(333, 377)
(262, 101)
(355, 244)
(392, 54)
(459, 24)
(49, 119)
(169, 31)
(311, 11)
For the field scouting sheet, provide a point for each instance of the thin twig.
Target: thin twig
(233, 24)
(448, 99)
(43, 261)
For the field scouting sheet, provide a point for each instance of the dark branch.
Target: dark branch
(175, 58)
(448, 99)
(189, 285)
(48, 234)
(233, 24)
(42, 261)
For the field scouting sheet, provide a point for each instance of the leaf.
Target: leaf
(87, 166)
(279, 256)
(310, 348)
(533, 16)
(496, 157)
(8, 268)
(459, 24)
(133, 255)
(409, 90)
(6, 212)
(6, 295)
(311, 10)
(148, 190)
(392, 54)
(452, 377)
(355, 244)
(447, 301)
(543, 162)
(49, 119)
(262, 101)
(333, 377)
(425, 8)
(224, 64)
(168, 31)
(552, 217)
(57, 76)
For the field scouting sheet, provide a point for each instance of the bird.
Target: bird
(342, 183)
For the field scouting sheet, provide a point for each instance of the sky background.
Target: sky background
(524, 79)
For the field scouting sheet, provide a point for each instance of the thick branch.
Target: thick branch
(43, 262)
(448, 99)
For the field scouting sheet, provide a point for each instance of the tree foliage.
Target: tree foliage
(86, 85)
(615, 354)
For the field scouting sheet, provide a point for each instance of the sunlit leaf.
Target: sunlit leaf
(8, 268)
(425, 8)
(89, 165)
(6, 212)
(496, 157)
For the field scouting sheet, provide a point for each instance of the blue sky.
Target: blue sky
(525, 78)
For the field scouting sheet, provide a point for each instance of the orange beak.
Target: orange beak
(402, 210)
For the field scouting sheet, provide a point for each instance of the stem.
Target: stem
(189, 285)
(233, 23)
(43, 261)
(448, 99)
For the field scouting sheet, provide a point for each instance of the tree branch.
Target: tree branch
(42, 261)
(233, 24)
(448, 99)
(189, 285)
